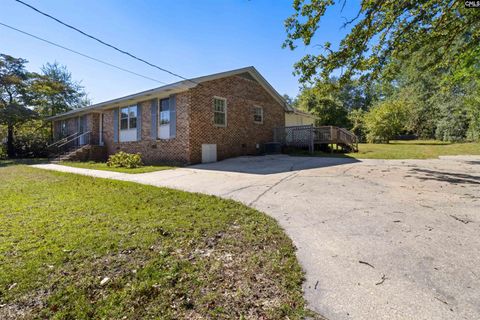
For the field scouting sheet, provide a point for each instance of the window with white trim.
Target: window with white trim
(164, 119)
(220, 111)
(128, 118)
(164, 112)
(128, 123)
(258, 115)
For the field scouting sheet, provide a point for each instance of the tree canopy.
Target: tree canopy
(54, 91)
(14, 86)
(417, 61)
(26, 95)
(381, 32)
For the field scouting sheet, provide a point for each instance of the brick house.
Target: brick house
(213, 117)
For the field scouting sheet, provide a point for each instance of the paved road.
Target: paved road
(378, 239)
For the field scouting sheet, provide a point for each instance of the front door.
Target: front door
(82, 128)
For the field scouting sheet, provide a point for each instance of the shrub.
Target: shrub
(3, 141)
(31, 139)
(125, 160)
(386, 120)
(3, 152)
(454, 124)
(357, 119)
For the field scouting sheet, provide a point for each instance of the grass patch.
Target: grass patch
(161, 253)
(103, 166)
(418, 149)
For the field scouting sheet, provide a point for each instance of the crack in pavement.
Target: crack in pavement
(272, 186)
(240, 189)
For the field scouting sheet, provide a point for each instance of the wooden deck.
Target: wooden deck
(310, 136)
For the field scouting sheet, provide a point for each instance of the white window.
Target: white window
(220, 111)
(258, 115)
(164, 119)
(128, 118)
(128, 123)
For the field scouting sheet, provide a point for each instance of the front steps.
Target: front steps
(83, 153)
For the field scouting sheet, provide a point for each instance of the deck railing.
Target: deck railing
(309, 136)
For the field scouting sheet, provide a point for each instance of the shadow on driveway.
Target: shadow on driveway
(271, 164)
(450, 177)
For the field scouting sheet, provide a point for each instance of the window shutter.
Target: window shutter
(173, 115)
(115, 125)
(139, 122)
(154, 127)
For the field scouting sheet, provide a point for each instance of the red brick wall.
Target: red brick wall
(71, 124)
(72, 127)
(195, 124)
(157, 151)
(93, 125)
(241, 134)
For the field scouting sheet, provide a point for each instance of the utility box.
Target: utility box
(273, 148)
(209, 153)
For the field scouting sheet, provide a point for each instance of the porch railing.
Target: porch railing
(70, 143)
(62, 140)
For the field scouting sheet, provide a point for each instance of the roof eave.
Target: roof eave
(134, 98)
(176, 88)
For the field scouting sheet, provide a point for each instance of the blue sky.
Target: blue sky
(192, 38)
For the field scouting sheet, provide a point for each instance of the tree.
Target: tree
(467, 75)
(14, 85)
(289, 100)
(386, 120)
(444, 101)
(54, 91)
(328, 110)
(383, 31)
(26, 96)
(357, 120)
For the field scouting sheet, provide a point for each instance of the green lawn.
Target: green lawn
(77, 247)
(103, 166)
(418, 149)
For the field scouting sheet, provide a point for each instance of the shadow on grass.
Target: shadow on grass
(14, 162)
(419, 143)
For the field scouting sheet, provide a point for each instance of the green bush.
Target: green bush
(357, 120)
(3, 152)
(125, 160)
(31, 140)
(3, 142)
(386, 120)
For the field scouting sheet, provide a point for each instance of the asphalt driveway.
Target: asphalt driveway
(378, 239)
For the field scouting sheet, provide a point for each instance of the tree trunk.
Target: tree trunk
(10, 147)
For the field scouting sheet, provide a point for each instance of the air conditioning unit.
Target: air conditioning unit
(273, 148)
